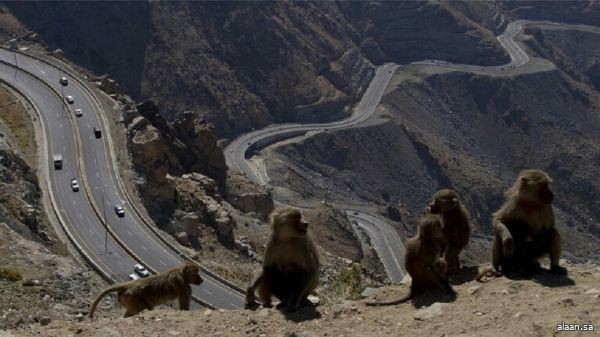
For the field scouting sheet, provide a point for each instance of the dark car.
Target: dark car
(120, 211)
(97, 132)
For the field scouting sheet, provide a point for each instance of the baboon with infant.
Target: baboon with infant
(290, 269)
(424, 260)
(453, 218)
(524, 227)
(136, 296)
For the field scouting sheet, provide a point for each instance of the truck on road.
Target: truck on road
(58, 161)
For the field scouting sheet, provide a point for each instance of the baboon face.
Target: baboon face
(288, 223)
(443, 201)
(534, 186)
(192, 274)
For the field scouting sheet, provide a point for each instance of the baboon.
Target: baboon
(524, 227)
(424, 260)
(290, 269)
(149, 292)
(455, 225)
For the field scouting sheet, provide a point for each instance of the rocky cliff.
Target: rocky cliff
(466, 131)
(243, 66)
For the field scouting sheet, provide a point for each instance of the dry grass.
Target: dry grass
(16, 118)
(10, 274)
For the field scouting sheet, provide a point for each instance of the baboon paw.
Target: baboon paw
(508, 246)
(558, 270)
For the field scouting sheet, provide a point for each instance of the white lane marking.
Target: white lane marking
(144, 247)
(74, 202)
(119, 262)
(64, 149)
(95, 163)
(161, 262)
(80, 216)
(60, 125)
(129, 233)
(97, 174)
(89, 230)
(206, 291)
(41, 71)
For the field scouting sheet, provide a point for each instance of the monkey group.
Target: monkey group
(524, 229)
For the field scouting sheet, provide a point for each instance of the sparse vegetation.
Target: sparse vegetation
(14, 115)
(10, 274)
(348, 285)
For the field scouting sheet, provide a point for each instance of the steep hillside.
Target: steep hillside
(465, 131)
(245, 65)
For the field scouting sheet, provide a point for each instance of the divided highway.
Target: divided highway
(91, 161)
(384, 237)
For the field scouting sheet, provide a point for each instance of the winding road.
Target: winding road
(113, 249)
(91, 161)
(384, 237)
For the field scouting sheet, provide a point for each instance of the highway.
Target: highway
(383, 236)
(91, 161)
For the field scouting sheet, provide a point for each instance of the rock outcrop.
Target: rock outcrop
(247, 196)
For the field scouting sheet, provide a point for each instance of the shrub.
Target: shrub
(10, 274)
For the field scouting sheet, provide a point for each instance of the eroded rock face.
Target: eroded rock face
(194, 194)
(247, 196)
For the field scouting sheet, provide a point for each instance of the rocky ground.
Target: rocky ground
(501, 307)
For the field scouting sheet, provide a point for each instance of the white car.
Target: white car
(64, 81)
(70, 99)
(133, 277)
(78, 112)
(74, 185)
(141, 270)
(120, 211)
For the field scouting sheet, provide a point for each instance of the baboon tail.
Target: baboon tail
(107, 291)
(402, 299)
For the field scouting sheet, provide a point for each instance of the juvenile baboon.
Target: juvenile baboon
(455, 225)
(424, 260)
(149, 292)
(291, 263)
(524, 227)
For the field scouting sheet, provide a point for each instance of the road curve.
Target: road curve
(384, 237)
(90, 160)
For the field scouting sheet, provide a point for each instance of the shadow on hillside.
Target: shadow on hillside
(552, 280)
(543, 277)
(431, 296)
(464, 275)
(305, 313)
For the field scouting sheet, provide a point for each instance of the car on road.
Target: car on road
(120, 211)
(70, 99)
(231, 151)
(63, 80)
(355, 213)
(78, 112)
(133, 277)
(141, 270)
(74, 185)
(97, 132)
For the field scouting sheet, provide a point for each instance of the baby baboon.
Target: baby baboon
(424, 260)
(524, 228)
(149, 292)
(455, 225)
(291, 264)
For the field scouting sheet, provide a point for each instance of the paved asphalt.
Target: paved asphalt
(34, 80)
(384, 237)
(100, 175)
